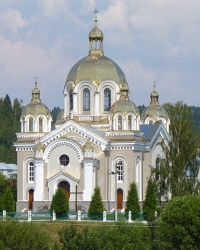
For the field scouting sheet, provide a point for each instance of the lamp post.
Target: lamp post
(115, 174)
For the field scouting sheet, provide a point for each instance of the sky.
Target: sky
(151, 40)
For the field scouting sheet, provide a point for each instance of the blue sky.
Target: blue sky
(149, 39)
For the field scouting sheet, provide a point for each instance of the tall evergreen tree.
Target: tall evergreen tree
(96, 205)
(60, 203)
(150, 203)
(8, 200)
(132, 203)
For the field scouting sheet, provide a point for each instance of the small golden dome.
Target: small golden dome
(96, 34)
(35, 107)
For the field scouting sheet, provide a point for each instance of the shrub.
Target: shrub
(60, 203)
(132, 203)
(96, 207)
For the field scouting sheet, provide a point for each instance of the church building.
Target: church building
(99, 139)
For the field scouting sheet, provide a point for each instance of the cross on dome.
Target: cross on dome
(95, 15)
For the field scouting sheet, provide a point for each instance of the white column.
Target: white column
(75, 103)
(39, 180)
(96, 103)
(88, 180)
(66, 107)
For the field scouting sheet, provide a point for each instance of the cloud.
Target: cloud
(52, 8)
(11, 21)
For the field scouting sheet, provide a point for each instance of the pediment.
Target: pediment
(62, 175)
(76, 132)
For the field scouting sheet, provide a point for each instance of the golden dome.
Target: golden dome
(95, 34)
(154, 112)
(35, 107)
(124, 105)
(96, 69)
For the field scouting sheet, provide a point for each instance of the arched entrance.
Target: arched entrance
(66, 187)
(119, 198)
(30, 199)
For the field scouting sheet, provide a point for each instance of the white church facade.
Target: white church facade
(99, 139)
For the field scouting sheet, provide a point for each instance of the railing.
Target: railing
(70, 215)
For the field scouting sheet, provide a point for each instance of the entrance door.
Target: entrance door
(30, 199)
(66, 187)
(119, 198)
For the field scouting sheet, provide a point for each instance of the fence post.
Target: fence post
(129, 216)
(4, 215)
(104, 215)
(29, 216)
(79, 215)
(54, 215)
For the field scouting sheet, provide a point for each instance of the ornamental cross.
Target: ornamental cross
(95, 15)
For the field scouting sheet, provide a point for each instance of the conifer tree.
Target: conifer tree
(96, 205)
(8, 200)
(150, 203)
(132, 203)
(60, 203)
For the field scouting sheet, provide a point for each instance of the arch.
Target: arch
(107, 99)
(119, 198)
(63, 142)
(66, 187)
(157, 176)
(86, 99)
(30, 198)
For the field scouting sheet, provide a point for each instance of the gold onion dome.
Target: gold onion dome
(154, 109)
(96, 67)
(35, 107)
(96, 34)
(124, 105)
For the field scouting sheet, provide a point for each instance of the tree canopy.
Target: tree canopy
(178, 225)
(178, 171)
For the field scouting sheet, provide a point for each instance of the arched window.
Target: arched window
(120, 171)
(71, 100)
(119, 122)
(150, 122)
(107, 99)
(130, 122)
(30, 124)
(31, 172)
(40, 124)
(86, 99)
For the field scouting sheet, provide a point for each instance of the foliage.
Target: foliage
(150, 203)
(22, 236)
(132, 203)
(8, 202)
(96, 207)
(122, 236)
(141, 108)
(178, 171)
(60, 203)
(9, 125)
(178, 225)
(55, 112)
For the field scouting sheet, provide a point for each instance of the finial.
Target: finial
(154, 85)
(36, 81)
(95, 16)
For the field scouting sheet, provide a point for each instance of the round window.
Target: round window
(64, 160)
